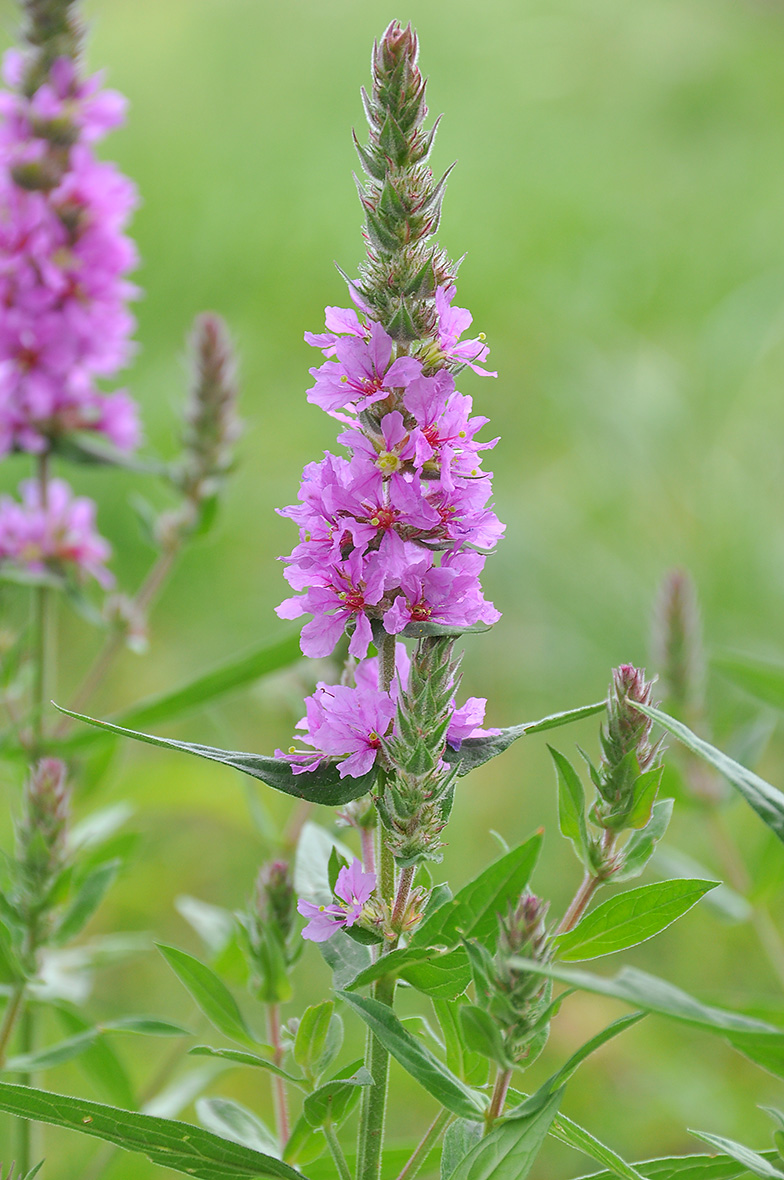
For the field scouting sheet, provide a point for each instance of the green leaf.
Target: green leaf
(571, 805)
(482, 1034)
(89, 896)
(640, 846)
(232, 1121)
(476, 751)
(577, 1137)
(460, 1137)
(148, 1026)
(346, 958)
(763, 679)
(417, 1059)
(241, 1057)
(762, 1042)
(171, 1144)
(53, 1055)
(751, 1160)
(99, 1062)
(334, 1101)
(210, 993)
(473, 912)
(460, 1060)
(767, 801)
(323, 785)
(687, 1167)
(630, 918)
(509, 1151)
(425, 629)
(311, 1036)
(444, 975)
(646, 788)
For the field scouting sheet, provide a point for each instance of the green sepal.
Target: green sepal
(401, 327)
(393, 142)
(384, 240)
(376, 169)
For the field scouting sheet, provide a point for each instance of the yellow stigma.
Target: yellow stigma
(388, 462)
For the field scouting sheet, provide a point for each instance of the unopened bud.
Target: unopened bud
(274, 899)
(41, 834)
(123, 614)
(212, 426)
(627, 778)
(677, 645)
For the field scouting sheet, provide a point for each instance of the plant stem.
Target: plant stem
(398, 913)
(502, 1080)
(15, 1003)
(374, 1098)
(336, 1151)
(25, 1130)
(426, 1145)
(40, 629)
(278, 1086)
(590, 883)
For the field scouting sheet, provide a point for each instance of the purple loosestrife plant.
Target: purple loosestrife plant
(393, 534)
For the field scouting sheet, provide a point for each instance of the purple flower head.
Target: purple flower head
(450, 593)
(64, 261)
(57, 536)
(362, 374)
(354, 888)
(452, 323)
(347, 724)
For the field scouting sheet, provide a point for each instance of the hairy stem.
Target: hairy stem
(367, 836)
(398, 913)
(502, 1080)
(40, 630)
(426, 1145)
(374, 1098)
(25, 1130)
(12, 1012)
(278, 1085)
(336, 1151)
(590, 883)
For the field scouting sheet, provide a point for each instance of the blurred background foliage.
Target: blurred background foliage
(618, 197)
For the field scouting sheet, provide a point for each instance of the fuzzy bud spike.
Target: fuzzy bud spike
(677, 644)
(53, 30)
(628, 776)
(41, 833)
(401, 200)
(274, 898)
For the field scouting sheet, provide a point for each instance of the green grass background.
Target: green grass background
(619, 199)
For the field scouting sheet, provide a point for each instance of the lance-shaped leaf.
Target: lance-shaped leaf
(442, 974)
(322, 785)
(509, 1151)
(171, 1144)
(210, 993)
(767, 801)
(577, 1137)
(630, 918)
(232, 1121)
(641, 845)
(571, 805)
(460, 1137)
(475, 751)
(89, 896)
(686, 1167)
(751, 1160)
(242, 1057)
(762, 1042)
(417, 1059)
(473, 911)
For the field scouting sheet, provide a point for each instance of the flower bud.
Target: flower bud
(677, 645)
(627, 778)
(41, 833)
(211, 423)
(274, 900)
(268, 925)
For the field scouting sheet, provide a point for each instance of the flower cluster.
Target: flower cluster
(354, 888)
(57, 535)
(65, 259)
(350, 724)
(398, 531)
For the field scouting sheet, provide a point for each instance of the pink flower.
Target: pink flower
(346, 724)
(362, 373)
(354, 888)
(58, 536)
(452, 322)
